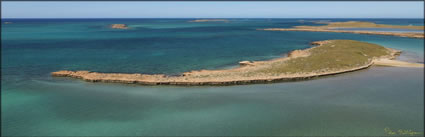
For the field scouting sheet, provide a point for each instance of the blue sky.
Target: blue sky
(209, 9)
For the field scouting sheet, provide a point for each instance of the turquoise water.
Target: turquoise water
(34, 103)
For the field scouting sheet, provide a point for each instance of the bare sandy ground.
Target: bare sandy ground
(396, 63)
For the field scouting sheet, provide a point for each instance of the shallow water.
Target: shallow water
(34, 103)
(359, 103)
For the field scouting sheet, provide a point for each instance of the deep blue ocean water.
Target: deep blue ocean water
(34, 103)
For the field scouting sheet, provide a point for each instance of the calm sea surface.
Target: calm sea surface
(34, 103)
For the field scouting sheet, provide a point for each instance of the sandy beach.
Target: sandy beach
(396, 63)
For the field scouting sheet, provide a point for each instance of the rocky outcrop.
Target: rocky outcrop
(319, 42)
(246, 63)
(119, 26)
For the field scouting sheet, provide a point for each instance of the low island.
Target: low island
(326, 58)
(119, 26)
(334, 26)
(209, 20)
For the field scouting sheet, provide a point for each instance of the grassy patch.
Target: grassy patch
(336, 55)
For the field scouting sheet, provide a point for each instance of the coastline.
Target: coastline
(331, 26)
(361, 24)
(397, 63)
(410, 35)
(83, 75)
(234, 76)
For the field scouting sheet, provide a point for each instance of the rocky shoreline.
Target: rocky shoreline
(85, 75)
(238, 76)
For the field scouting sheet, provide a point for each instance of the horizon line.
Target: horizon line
(220, 18)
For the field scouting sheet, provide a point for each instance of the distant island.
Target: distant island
(209, 20)
(332, 26)
(358, 24)
(327, 58)
(119, 26)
